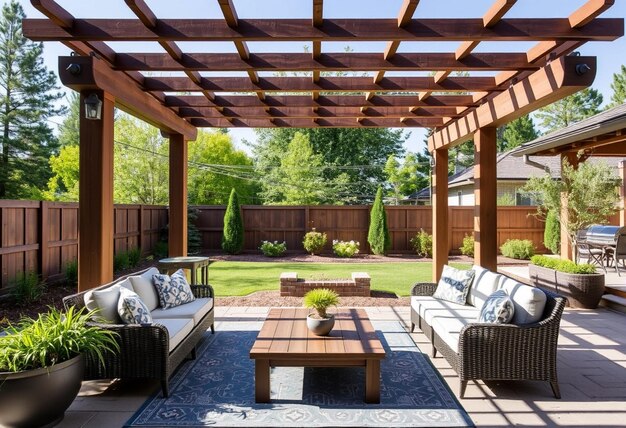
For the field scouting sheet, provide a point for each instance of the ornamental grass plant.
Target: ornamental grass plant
(321, 299)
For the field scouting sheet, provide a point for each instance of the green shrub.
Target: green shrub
(121, 261)
(27, 288)
(522, 249)
(273, 249)
(562, 265)
(161, 249)
(320, 299)
(314, 241)
(232, 240)
(423, 244)
(53, 338)
(134, 257)
(71, 272)
(467, 249)
(345, 248)
(194, 238)
(552, 233)
(378, 235)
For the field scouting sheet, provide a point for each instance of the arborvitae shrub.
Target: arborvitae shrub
(232, 240)
(378, 236)
(552, 233)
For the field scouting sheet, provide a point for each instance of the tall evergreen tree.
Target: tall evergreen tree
(570, 110)
(27, 98)
(69, 130)
(378, 235)
(619, 88)
(232, 238)
(516, 133)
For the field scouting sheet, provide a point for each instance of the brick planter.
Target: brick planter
(291, 285)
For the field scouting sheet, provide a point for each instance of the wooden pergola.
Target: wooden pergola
(456, 107)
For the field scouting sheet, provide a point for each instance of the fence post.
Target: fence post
(141, 231)
(44, 239)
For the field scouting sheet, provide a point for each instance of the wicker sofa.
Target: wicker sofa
(150, 350)
(520, 350)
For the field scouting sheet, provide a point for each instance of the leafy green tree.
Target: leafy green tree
(590, 191)
(232, 238)
(216, 167)
(355, 157)
(619, 88)
(570, 109)
(141, 163)
(552, 233)
(27, 100)
(63, 185)
(461, 157)
(516, 133)
(394, 179)
(378, 235)
(407, 177)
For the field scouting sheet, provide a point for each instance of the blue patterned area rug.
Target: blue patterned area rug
(217, 389)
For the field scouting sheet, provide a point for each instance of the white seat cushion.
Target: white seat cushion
(430, 307)
(484, 284)
(529, 301)
(105, 301)
(145, 290)
(449, 330)
(195, 310)
(178, 329)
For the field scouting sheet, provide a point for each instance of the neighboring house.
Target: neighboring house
(513, 173)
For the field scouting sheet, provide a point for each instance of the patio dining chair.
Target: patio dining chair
(618, 253)
(589, 253)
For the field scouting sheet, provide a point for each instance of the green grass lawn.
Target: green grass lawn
(242, 278)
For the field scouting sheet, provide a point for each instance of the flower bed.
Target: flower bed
(291, 285)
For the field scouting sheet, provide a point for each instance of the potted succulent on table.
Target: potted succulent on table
(320, 323)
(42, 366)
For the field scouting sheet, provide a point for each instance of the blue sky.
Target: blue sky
(611, 55)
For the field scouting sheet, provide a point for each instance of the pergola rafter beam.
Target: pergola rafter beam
(320, 122)
(555, 81)
(332, 30)
(316, 21)
(304, 84)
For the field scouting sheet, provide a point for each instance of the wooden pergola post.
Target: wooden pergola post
(178, 196)
(566, 246)
(95, 249)
(622, 193)
(485, 195)
(440, 212)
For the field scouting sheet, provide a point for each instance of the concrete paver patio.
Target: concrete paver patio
(592, 374)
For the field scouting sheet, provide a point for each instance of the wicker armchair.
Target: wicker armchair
(144, 349)
(501, 351)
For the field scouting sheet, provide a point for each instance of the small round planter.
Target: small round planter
(39, 398)
(320, 326)
(582, 290)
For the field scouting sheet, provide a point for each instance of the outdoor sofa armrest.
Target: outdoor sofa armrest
(423, 289)
(138, 344)
(202, 291)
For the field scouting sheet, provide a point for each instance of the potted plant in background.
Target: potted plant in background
(42, 366)
(320, 299)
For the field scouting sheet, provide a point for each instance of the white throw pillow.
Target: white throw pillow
(146, 291)
(454, 285)
(132, 309)
(529, 301)
(485, 282)
(173, 290)
(106, 301)
(497, 309)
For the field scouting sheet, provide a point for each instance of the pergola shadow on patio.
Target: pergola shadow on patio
(457, 108)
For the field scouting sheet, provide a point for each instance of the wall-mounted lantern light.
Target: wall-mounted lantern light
(93, 107)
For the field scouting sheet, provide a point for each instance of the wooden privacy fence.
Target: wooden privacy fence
(290, 223)
(42, 236)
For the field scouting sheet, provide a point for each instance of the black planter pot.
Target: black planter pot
(39, 398)
(582, 290)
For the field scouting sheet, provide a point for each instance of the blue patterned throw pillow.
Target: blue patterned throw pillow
(454, 285)
(131, 309)
(497, 309)
(173, 290)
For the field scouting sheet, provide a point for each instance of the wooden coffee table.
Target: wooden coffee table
(285, 341)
